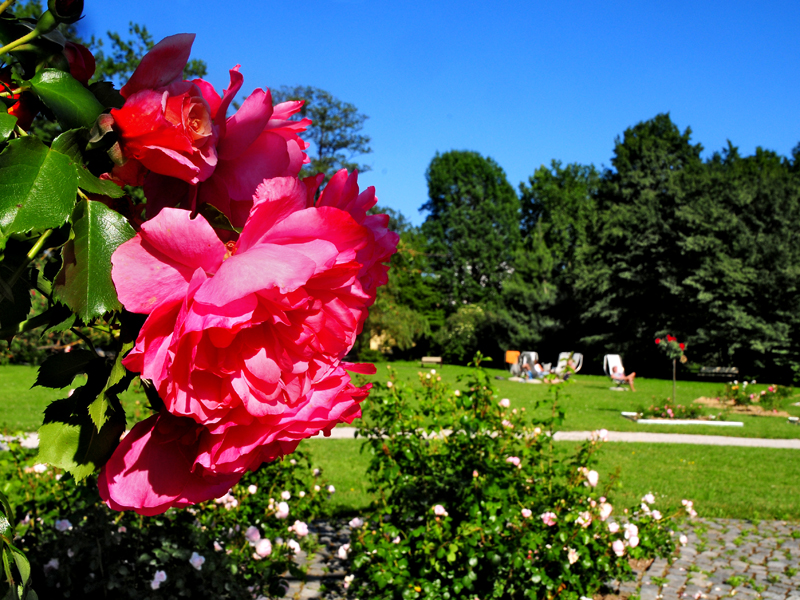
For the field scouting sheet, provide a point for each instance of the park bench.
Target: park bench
(718, 372)
(428, 361)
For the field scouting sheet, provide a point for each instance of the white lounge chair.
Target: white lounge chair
(529, 357)
(610, 361)
(563, 358)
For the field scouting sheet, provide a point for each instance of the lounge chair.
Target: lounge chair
(528, 357)
(609, 362)
(563, 359)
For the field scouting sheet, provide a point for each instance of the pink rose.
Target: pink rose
(549, 518)
(247, 359)
(592, 477)
(166, 124)
(526, 513)
(618, 547)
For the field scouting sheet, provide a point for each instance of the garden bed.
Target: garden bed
(749, 409)
(633, 416)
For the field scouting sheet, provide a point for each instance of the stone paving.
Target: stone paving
(728, 558)
(724, 558)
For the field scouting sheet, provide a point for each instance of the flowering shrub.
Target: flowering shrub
(475, 500)
(672, 347)
(670, 411)
(770, 398)
(238, 546)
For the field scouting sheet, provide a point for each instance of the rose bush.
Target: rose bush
(469, 507)
(233, 292)
(236, 547)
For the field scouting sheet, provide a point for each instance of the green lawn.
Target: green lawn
(723, 481)
(590, 404)
(21, 405)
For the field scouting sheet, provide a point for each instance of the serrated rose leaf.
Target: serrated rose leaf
(59, 370)
(84, 283)
(73, 104)
(37, 187)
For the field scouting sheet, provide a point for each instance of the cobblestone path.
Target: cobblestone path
(724, 558)
(728, 558)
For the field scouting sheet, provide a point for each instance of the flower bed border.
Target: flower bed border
(632, 417)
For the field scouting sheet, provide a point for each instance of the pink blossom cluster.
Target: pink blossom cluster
(245, 333)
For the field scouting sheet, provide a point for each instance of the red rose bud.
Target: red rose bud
(682, 345)
(65, 11)
(658, 340)
(81, 62)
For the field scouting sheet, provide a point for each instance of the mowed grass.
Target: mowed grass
(22, 405)
(732, 482)
(589, 403)
(723, 481)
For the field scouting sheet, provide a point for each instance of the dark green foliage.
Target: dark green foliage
(472, 227)
(99, 553)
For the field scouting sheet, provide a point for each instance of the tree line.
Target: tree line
(604, 261)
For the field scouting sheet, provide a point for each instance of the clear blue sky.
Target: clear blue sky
(522, 82)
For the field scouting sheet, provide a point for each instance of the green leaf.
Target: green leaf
(7, 124)
(84, 283)
(37, 187)
(73, 104)
(89, 183)
(217, 218)
(23, 566)
(74, 443)
(107, 94)
(118, 381)
(59, 370)
(72, 144)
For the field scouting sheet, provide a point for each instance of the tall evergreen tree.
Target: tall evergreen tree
(559, 215)
(634, 283)
(472, 227)
(741, 254)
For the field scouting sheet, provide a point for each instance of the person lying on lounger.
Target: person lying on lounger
(618, 375)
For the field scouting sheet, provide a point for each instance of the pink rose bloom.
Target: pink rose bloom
(592, 478)
(549, 518)
(505, 403)
(514, 460)
(633, 541)
(584, 519)
(618, 547)
(263, 549)
(252, 534)
(167, 125)
(605, 510)
(526, 513)
(247, 359)
(439, 511)
(300, 528)
(613, 527)
(175, 135)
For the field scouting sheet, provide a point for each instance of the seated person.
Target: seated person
(570, 370)
(526, 371)
(618, 375)
(538, 370)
